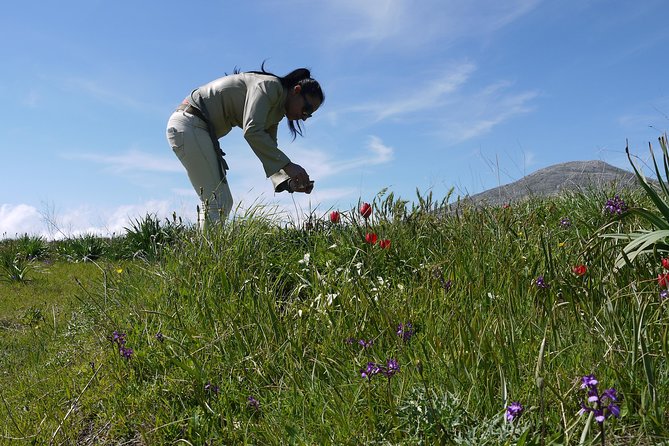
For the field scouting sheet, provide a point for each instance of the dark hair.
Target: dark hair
(301, 77)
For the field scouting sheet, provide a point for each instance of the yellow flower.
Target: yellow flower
(119, 270)
(561, 244)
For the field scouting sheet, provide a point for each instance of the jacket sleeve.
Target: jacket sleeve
(260, 134)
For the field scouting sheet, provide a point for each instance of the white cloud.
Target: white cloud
(452, 108)
(25, 219)
(19, 219)
(103, 92)
(131, 161)
(414, 97)
(409, 24)
(478, 114)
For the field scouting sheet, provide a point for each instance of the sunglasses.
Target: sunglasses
(308, 108)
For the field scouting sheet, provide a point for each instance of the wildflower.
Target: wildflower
(365, 210)
(118, 338)
(160, 337)
(370, 370)
(211, 388)
(588, 382)
(305, 260)
(602, 405)
(119, 271)
(126, 352)
(540, 283)
(392, 367)
(447, 285)
(565, 222)
(349, 341)
(663, 280)
(665, 263)
(335, 217)
(506, 206)
(615, 205)
(384, 244)
(253, 404)
(405, 331)
(366, 344)
(371, 238)
(513, 411)
(579, 270)
(664, 294)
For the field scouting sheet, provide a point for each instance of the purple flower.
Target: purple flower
(515, 410)
(405, 331)
(366, 344)
(664, 294)
(211, 388)
(118, 338)
(349, 341)
(253, 404)
(541, 283)
(565, 222)
(392, 367)
(615, 206)
(589, 381)
(447, 285)
(160, 337)
(601, 405)
(370, 370)
(126, 352)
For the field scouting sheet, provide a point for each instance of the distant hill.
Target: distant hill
(552, 180)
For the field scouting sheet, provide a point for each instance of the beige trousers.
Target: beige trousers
(189, 138)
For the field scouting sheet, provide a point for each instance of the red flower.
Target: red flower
(663, 280)
(384, 244)
(371, 238)
(334, 217)
(365, 210)
(579, 270)
(665, 263)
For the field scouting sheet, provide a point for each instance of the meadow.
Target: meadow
(401, 323)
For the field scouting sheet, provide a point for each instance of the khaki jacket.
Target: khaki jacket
(256, 104)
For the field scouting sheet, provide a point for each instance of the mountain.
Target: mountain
(570, 176)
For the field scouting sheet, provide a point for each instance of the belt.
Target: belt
(223, 166)
(192, 110)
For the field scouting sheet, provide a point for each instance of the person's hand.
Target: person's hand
(299, 178)
(306, 188)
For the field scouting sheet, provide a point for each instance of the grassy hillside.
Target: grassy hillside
(258, 334)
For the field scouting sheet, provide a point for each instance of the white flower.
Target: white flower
(305, 260)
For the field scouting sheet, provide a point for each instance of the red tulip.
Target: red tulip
(665, 263)
(663, 280)
(371, 238)
(334, 217)
(579, 270)
(365, 210)
(384, 244)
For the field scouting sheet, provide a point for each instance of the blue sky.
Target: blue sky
(422, 94)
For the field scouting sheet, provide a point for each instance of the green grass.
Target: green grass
(256, 310)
